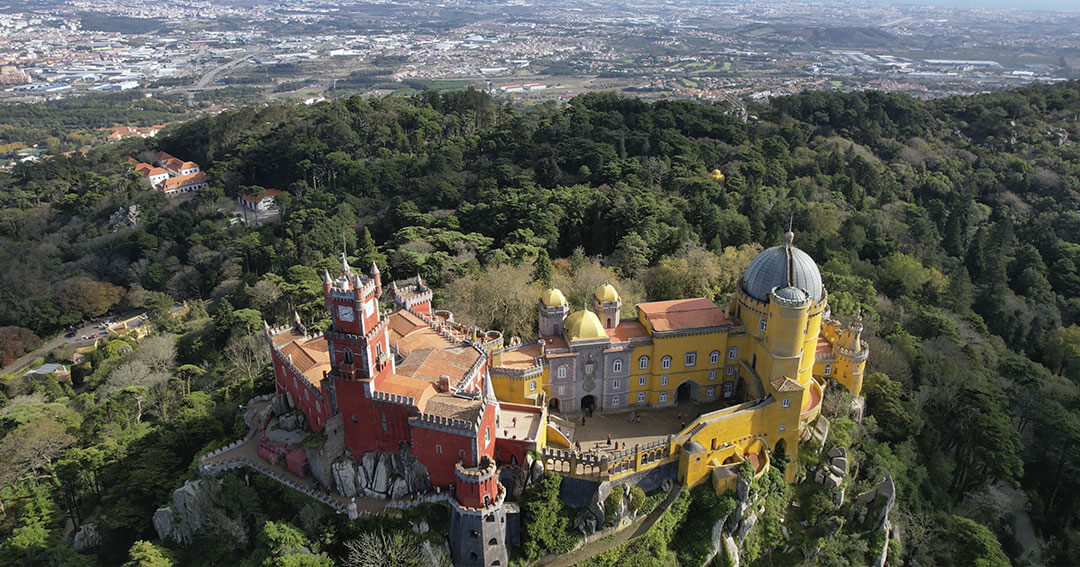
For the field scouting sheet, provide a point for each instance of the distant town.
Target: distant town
(228, 53)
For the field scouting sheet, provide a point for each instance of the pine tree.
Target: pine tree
(543, 270)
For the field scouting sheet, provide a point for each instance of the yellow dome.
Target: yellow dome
(607, 292)
(553, 297)
(583, 325)
(716, 175)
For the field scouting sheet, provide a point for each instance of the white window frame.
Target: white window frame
(561, 371)
(614, 384)
(714, 357)
(615, 400)
(783, 427)
(763, 324)
(532, 386)
(828, 369)
(690, 358)
(710, 392)
(642, 380)
(643, 362)
(730, 370)
(438, 449)
(663, 397)
(665, 362)
(588, 368)
(616, 366)
(785, 403)
(729, 389)
(733, 353)
(641, 397)
(663, 380)
(712, 375)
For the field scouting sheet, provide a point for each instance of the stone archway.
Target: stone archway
(780, 449)
(687, 392)
(553, 405)
(588, 403)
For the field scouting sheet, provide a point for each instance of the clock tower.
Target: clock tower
(358, 340)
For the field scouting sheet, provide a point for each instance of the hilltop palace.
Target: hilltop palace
(412, 403)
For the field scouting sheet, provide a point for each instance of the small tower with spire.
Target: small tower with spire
(377, 276)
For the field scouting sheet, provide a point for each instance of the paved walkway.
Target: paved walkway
(594, 548)
(247, 453)
(655, 424)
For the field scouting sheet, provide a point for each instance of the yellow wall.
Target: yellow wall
(516, 390)
(678, 373)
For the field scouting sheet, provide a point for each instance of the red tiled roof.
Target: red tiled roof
(682, 314)
(627, 330)
(188, 165)
(181, 181)
(270, 194)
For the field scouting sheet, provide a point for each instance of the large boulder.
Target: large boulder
(837, 451)
(742, 489)
(189, 514)
(398, 488)
(367, 462)
(383, 471)
(833, 481)
(841, 464)
(536, 471)
(744, 527)
(86, 539)
(344, 470)
(513, 478)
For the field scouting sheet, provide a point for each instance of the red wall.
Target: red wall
(284, 383)
(440, 466)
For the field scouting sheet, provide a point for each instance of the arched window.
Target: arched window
(493, 541)
(665, 362)
(714, 357)
(643, 362)
(561, 372)
(617, 365)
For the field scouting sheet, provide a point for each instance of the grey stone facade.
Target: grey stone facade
(478, 536)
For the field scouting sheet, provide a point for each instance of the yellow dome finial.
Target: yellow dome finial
(553, 297)
(717, 176)
(607, 293)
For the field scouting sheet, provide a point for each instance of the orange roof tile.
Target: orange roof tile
(181, 181)
(270, 194)
(453, 407)
(683, 314)
(824, 347)
(188, 165)
(419, 390)
(785, 384)
(521, 357)
(627, 330)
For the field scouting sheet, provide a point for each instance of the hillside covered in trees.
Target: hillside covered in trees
(953, 224)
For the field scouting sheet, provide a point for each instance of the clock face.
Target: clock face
(346, 313)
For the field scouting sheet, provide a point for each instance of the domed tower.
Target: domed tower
(552, 310)
(607, 304)
(477, 517)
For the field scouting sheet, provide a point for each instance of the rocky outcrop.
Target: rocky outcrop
(321, 459)
(380, 475)
(189, 514)
(86, 539)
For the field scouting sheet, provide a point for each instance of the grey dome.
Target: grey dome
(792, 294)
(774, 269)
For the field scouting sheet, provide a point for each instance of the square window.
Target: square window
(588, 368)
(690, 359)
(641, 397)
(663, 380)
(786, 403)
(642, 380)
(729, 387)
(762, 324)
(712, 375)
(730, 370)
(663, 397)
(732, 353)
(615, 385)
(710, 391)
(783, 427)
(532, 386)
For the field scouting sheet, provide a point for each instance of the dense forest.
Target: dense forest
(953, 224)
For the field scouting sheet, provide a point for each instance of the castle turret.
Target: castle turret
(552, 310)
(477, 517)
(377, 276)
(607, 304)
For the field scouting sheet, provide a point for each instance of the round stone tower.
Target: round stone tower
(477, 517)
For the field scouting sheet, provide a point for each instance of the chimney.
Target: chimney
(444, 383)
